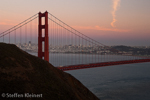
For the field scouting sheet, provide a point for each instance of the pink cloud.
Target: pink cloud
(4, 23)
(100, 28)
(7, 22)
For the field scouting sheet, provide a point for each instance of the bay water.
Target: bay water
(119, 82)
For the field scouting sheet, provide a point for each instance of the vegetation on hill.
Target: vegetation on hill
(22, 73)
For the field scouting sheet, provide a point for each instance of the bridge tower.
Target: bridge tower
(43, 37)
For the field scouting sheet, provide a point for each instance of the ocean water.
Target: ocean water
(120, 82)
(60, 59)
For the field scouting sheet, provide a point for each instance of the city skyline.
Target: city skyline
(93, 18)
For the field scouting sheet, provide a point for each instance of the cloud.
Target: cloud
(6, 22)
(116, 4)
(99, 28)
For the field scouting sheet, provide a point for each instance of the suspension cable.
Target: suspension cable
(18, 24)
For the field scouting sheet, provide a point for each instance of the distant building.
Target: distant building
(29, 43)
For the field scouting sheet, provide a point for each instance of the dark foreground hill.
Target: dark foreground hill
(22, 73)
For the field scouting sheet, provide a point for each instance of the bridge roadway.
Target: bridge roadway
(102, 64)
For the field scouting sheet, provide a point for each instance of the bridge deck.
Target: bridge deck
(102, 64)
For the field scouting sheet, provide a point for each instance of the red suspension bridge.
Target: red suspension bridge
(63, 46)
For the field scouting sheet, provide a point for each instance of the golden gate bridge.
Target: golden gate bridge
(55, 37)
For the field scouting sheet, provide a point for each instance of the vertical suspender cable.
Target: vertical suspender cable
(15, 36)
(92, 52)
(55, 39)
(79, 51)
(75, 48)
(26, 33)
(31, 31)
(95, 52)
(90, 57)
(58, 43)
(3, 38)
(49, 37)
(104, 53)
(72, 46)
(60, 38)
(9, 37)
(82, 49)
(20, 35)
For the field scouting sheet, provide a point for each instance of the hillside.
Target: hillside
(133, 50)
(23, 73)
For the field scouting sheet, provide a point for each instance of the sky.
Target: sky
(111, 22)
